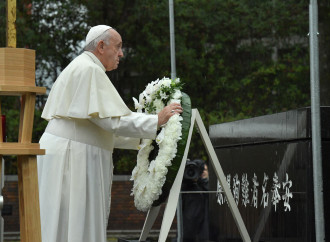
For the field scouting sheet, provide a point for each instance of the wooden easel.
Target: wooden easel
(17, 78)
(173, 197)
(27, 163)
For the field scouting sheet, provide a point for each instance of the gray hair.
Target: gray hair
(105, 36)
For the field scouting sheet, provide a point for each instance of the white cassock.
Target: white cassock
(87, 120)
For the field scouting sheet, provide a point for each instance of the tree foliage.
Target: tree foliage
(238, 59)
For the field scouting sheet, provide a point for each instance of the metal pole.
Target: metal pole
(179, 219)
(172, 40)
(316, 124)
(173, 76)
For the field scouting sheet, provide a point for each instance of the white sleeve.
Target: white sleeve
(137, 125)
(121, 142)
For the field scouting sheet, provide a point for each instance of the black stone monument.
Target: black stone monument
(268, 164)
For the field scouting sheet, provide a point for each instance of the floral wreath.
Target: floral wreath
(150, 176)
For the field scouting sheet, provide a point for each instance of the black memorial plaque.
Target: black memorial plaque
(268, 164)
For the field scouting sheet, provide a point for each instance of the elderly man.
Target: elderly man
(87, 120)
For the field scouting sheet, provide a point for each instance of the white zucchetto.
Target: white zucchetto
(95, 32)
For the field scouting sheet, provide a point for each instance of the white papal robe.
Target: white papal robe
(87, 120)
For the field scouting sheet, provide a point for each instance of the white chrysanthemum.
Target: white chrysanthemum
(166, 82)
(148, 99)
(159, 105)
(150, 176)
(177, 94)
(160, 136)
(149, 89)
(163, 95)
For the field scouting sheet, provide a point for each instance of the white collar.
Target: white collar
(95, 59)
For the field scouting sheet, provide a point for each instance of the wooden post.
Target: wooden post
(29, 211)
(26, 151)
(17, 77)
(26, 117)
(11, 23)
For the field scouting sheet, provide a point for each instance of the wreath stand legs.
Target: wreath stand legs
(173, 197)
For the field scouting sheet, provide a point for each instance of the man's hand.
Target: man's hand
(167, 112)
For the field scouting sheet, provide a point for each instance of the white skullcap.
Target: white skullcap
(95, 32)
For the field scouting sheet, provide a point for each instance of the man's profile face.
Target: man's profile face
(112, 52)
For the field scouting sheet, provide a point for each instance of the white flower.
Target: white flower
(149, 89)
(159, 105)
(150, 176)
(137, 105)
(141, 99)
(166, 82)
(160, 137)
(148, 99)
(163, 95)
(177, 94)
